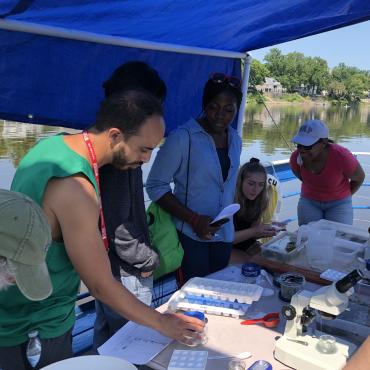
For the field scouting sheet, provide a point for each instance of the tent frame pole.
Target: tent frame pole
(28, 27)
(247, 64)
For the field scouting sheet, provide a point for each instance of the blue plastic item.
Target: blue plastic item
(215, 302)
(260, 365)
(197, 314)
(250, 271)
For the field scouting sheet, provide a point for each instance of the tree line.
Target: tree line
(311, 76)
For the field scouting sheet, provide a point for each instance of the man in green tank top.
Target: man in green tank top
(58, 174)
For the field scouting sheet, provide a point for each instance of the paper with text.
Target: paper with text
(135, 343)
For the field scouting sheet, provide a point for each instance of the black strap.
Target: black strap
(187, 174)
(187, 177)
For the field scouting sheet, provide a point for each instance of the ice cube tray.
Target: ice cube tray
(188, 360)
(223, 290)
(332, 275)
(216, 297)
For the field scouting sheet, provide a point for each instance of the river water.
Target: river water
(264, 136)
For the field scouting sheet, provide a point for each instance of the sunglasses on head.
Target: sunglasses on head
(220, 78)
(308, 147)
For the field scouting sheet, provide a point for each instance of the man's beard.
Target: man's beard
(120, 161)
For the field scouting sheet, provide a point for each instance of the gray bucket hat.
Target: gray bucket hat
(24, 240)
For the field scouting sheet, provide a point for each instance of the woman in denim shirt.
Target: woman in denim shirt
(202, 158)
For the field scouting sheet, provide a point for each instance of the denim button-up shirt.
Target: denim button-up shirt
(208, 194)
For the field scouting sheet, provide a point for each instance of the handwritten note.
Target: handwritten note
(135, 343)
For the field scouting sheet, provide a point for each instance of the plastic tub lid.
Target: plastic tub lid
(197, 314)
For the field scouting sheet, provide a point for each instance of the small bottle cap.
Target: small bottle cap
(33, 334)
(197, 314)
(251, 270)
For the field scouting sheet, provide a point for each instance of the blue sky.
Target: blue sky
(349, 45)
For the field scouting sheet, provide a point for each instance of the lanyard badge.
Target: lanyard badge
(95, 168)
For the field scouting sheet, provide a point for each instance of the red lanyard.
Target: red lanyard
(96, 174)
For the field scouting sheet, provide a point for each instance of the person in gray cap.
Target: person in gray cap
(24, 240)
(330, 175)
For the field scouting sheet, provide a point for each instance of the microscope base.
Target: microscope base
(302, 357)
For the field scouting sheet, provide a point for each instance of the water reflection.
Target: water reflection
(348, 126)
(261, 138)
(15, 140)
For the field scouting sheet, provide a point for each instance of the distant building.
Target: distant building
(324, 93)
(271, 86)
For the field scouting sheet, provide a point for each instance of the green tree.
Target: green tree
(258, 73)
(295, 71)
(317, 74)
(336, 90)
(353, 83)
(275, 62)
(311, 75)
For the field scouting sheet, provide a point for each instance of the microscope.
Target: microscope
(302, 350)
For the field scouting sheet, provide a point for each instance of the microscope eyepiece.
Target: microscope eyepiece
(349, 281)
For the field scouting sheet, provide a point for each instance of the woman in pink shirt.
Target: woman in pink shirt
(330, 175)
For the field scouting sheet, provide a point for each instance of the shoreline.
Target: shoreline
(304, 102)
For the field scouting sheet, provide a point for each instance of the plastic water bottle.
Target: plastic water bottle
(33, 352)
(203, 338)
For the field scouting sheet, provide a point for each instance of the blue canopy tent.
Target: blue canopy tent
(56, 54)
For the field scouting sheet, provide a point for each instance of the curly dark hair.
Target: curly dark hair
(136, 74)
(212, 89)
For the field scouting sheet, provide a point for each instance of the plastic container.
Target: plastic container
(282, 247)
(320, 246)
(290, 284)
(345, 254)
(326, 344)
(202, 339)
(236, 364)
(250, 272)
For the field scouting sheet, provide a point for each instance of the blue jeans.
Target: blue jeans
(203, 258)
(108, 321)
(336, 210)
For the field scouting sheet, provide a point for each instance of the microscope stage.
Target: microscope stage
(307, 357)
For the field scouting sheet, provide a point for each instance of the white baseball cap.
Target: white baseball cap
(310, 132)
